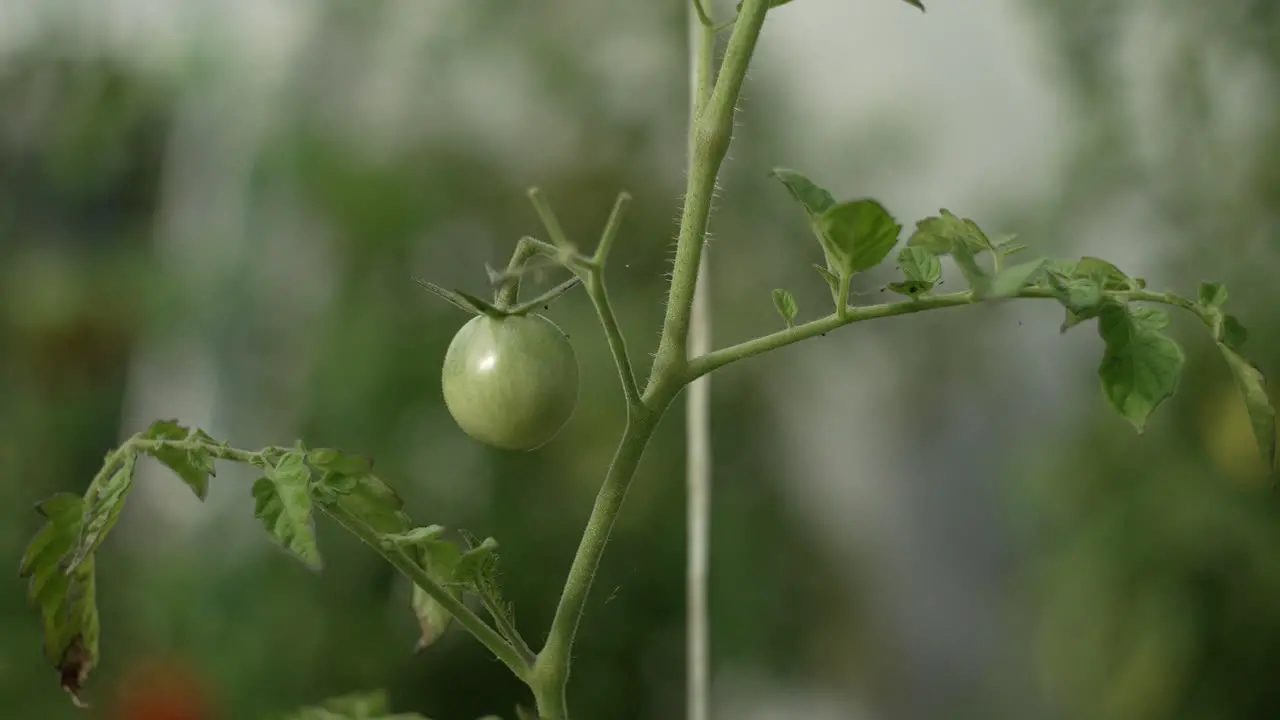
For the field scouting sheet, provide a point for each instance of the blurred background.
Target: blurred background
(212, 210)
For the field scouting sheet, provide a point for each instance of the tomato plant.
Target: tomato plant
(512, 381)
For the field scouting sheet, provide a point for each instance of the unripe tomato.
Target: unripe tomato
(511, 382)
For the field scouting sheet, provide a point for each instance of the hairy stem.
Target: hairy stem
(551, 671)
(714, 360)
(519, 663)
(710, 136)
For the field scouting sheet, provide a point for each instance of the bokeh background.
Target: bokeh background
(212, 210)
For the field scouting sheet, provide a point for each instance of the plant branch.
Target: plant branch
(502, 621)
(717, 359)
(509, 292)
(591, 270)
(519, 663)
(710, 135)
(551, 671)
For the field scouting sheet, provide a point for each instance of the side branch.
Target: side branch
(521, 665)
(717, 359)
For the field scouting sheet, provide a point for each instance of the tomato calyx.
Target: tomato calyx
(479, 306)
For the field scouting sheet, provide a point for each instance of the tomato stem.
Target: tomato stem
(550, 674)
(519, 663)
(709, 138)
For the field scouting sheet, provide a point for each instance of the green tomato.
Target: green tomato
(510, 382)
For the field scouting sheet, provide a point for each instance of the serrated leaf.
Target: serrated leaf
(1233, 334)
(785, 303)
(1007, 245)
(1082, 298)
(1148, 318)
(283, 504)
(1140, 367)
(1262, 415)
(860, 235)
(66, 600)
(814, 199)
(330, 460)
(1011, 280)
(477, 564)
(941, 234)
(440, 559)
(1106, 274)
(194, 465)
(166, 430)
(103, 503)
(1212, 295)
(416, 536)
(977, 277)
(376, 504)
(1064, 270)
(920, 265)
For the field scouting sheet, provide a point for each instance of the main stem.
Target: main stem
(710, 135)
(551, 671)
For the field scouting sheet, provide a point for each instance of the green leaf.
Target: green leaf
(860, 234)
(1262, 415)
(66, 600)
(376, 504)
(915, 4)
(1006, 245)
(920, 265)
(415, 537)
(523, 713)
(1233, 334)
(193, 465)
(283, 504)
(440, 560)
(785, 303)
(977, 277)
(943, 233)
(1213, 295)
(1011, 280)
(1107, 275)
(1082, 298)
(477, 564)
(334, 461)
(1141, 366)
(814, 199)
(103, 503)
(832, 281)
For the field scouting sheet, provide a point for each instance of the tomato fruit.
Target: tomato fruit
(511, 382)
